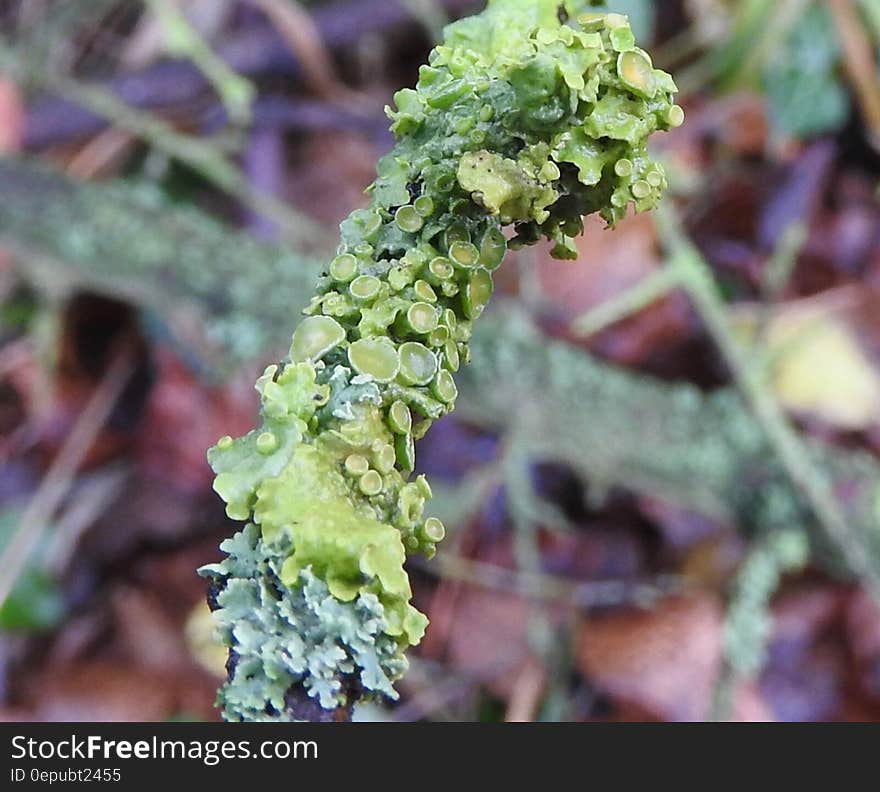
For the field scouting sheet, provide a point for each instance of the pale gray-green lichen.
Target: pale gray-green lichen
(283, 636)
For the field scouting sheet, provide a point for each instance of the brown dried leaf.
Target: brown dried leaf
(332, 170)
(146, 634)
(100, 691)
(664, 660)
(488, 639)
(608, 263)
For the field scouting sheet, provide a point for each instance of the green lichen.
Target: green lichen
(518, 120)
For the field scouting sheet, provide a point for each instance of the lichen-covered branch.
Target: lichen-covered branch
(528, 116)
(124, 239)
(705, 452)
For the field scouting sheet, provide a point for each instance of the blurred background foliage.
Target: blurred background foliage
(662, 483)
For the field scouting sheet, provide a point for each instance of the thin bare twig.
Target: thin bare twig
(101, 153)
(528, 691)
(858, 60)
(647, 291)
(57, 481)
(296, 26)
(181, 38)
(550, 588)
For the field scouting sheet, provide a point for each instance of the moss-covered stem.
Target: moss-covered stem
(748, 622)
(587, 419)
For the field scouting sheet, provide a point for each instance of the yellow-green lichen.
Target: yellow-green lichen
(523, 118)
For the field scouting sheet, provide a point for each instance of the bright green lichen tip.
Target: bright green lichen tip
(529, 116)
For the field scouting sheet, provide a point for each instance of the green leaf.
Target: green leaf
(805, 92)
(35, 603)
